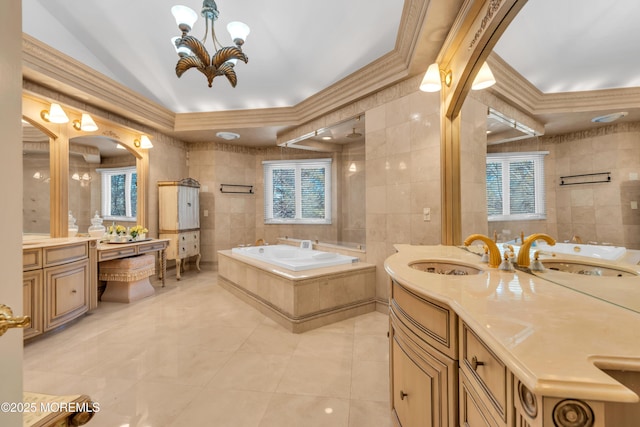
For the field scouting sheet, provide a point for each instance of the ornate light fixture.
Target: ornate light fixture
(86, 124)
(192, 51)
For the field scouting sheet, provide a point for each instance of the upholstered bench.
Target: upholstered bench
(127, 278)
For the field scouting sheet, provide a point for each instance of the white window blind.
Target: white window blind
(515, 186)
(297, 191)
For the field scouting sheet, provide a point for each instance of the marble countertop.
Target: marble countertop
(31, 241)
(550, 336)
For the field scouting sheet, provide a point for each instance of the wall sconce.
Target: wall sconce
(143, 142)
(55, 114)
(86, 124)
(433, 78)
(484, 78)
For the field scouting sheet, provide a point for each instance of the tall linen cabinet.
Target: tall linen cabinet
(179, 219)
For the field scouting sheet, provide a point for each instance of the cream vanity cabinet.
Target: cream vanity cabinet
(179, 219)
(59, 283)
(423, 360)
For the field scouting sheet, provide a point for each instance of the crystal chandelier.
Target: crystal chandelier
(192, 52)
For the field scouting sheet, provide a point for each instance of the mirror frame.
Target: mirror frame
(59, 135)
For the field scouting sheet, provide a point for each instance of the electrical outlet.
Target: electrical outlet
(205, 213)
(426, 214)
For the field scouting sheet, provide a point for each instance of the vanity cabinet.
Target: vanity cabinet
(179, 219)
(423, 360)
(59, 283)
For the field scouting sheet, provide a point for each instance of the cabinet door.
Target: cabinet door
(411, 390)
(32, 302)
(472, 412)
(423, 384)
(188, 208)
(66, 293)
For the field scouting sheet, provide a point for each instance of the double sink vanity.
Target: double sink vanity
(473, 345)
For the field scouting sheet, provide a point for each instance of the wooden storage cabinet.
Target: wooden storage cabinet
(57, 283)
(424, 380)
(179, 219)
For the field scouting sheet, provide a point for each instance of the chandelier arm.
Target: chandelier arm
(197, 49)
(227, 70)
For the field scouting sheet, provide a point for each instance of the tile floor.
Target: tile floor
(195, 355)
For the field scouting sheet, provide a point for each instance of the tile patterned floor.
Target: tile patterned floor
(195, 355)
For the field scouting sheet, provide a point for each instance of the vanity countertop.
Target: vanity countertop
(551, 337)
(35, 241)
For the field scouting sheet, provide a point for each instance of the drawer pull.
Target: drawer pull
(475, 363)
(403, 395)
(74, 291)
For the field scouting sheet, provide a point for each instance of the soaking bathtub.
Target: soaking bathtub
(610, 253)
(293, 258)
(301, 289)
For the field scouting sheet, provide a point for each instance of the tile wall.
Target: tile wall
(598, 212)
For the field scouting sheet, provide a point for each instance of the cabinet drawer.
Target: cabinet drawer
(189, 243)
(486, 370)
(432, 321)
(472, 411)
(31, 259)
(63, 254)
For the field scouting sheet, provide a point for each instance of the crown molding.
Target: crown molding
(64, 74)
(522, 95)
(57, 71)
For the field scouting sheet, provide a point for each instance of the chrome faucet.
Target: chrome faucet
(494, 252)
(523, 253)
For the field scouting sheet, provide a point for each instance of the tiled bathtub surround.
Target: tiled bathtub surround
(301, 300)
(196, 355)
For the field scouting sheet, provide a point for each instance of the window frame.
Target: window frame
(297, 165)
(537, 157)
(105, 198)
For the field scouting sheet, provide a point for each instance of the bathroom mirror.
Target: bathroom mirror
(346, 143)
(87, 156)
(35, 178)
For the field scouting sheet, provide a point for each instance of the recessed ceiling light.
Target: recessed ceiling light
(608, 118)
(227, 135)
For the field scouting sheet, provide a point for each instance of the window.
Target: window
(515, 186)
(119, 193)
(297, 191)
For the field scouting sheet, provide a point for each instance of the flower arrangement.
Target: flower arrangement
(117, 229)
(137, 230)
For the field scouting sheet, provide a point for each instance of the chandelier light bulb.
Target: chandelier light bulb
(185, 17)
(238, 31)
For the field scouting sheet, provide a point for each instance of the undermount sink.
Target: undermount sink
(587, 269)
(445, 267)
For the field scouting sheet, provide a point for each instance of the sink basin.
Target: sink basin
(445, 267)
(588, 269)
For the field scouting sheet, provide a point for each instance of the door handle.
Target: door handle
(8, 321)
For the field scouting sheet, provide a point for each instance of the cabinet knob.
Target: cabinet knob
(475, 363)
(74, 291)
(403, 395)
